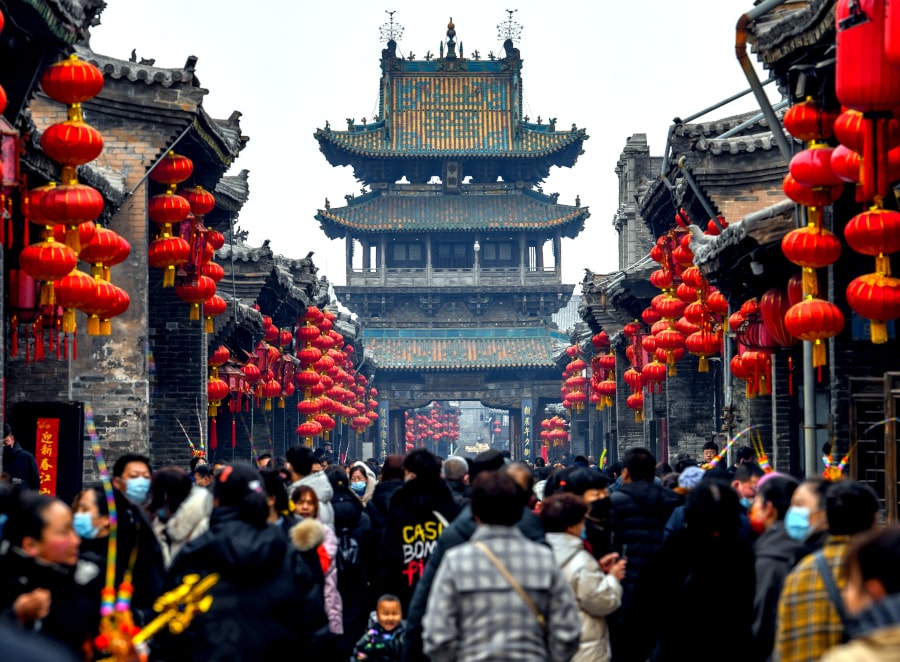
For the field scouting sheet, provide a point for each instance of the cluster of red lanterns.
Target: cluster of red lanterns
(432, 425)
(184, 247)
(66, 213)
(554, 432)
(603, 372)
(574, 388)
(330, 388)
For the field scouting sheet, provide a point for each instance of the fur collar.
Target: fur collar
(308, 534)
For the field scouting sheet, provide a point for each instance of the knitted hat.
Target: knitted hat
(690, 477)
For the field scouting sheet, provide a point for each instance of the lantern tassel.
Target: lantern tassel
(169, 277)
(281, 403)
(810, 282)
(14, 340)
(819, 356)
(878, 331)
(48, 294)
(213, 434)
(93, 326)
(209, 325)
(883, 264)
(268, 405)
(105, 328)
(195, 312)
(68, 320)
(704, 365)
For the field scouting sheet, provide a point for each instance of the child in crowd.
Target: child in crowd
(383, 640)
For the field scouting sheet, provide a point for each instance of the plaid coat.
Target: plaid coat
(808, 624)
(474, 614)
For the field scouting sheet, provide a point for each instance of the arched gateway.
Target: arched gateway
(453, 252)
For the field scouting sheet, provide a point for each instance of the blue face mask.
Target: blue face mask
(746, 502)
(796, 523)
(83, 523)
(136, 489)
(359, 487)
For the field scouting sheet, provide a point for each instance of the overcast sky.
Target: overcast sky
(614, 68)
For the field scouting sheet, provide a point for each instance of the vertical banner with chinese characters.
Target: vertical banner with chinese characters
(47, 446)
(384, 429)
(526, 431)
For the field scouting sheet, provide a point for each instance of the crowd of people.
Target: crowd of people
(429, 558)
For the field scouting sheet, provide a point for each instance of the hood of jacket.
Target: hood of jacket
(384, 492)
(880, 615)
(371, 479)
(319, 482)
(307, 534)
(233, 547)
(191, 513)
(348, 509)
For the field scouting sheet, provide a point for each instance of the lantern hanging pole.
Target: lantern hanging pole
(701, 197)
(740, 49)
(156, 163)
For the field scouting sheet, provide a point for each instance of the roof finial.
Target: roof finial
(391, 31)
(451, 40)
(509, 30)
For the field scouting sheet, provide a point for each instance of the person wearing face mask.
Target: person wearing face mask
(806, 521)
(362, 481)
(811, 613)
(137, 546)
(592, 486)
(90, 519)
(775, 555)
(746, 480)
(47, 584)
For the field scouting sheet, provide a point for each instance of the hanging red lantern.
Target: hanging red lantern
(654, 373)
(214, 271)
(71, 204)
(635, 401)
(650, 316)
(202, 201)
(101, 305)
(103, 248)
(846, 163)
(686, 293)
(809, 196)
(72, 81)
(167, 253)
(167, 209)
(216, 391)
(683, 255)
(865, 79)
(758, 366)
(704, 345)
(737, 368)
(47, 261)
(717, 303)
(812, 167)
(213, 307)
(631, 329)
(172, 169)
(877, 298)
(669, 341)
(662, 354)
(693, 278)
(196, 294)
(670, 307)
(807, 122)
(86, 232)
(661, 278)
(600, 340)
(648, 344)
(219, 356)
(72, 291)
(215, 239)
(875, 232)
(71, 143)
(812, 248)
(657, 254)
(773, 306)
(686, 328)
(795, 289)
(696, 313)
(814, 320)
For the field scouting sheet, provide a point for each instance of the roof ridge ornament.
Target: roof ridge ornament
(451, 40)
(509, 30)
(390, 31)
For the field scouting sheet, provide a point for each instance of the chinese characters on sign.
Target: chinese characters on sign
(384, 426)
(526, 430)
(47, 452)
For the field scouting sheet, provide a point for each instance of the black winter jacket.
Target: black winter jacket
(21, 466)
(776, 554)
(267, 599)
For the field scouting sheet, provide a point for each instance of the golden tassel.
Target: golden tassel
(106, 273)
(209, 325)
(48, 294)
(105, 328)
(704, 365)
(169, 276)
(268, 404)
(195, 312)
(97, 271)
(878, 331)
(68, 320)
(810, 282)
(281, 403)
(819, 356)
(883, 264)
(814, 217)
(93, 325)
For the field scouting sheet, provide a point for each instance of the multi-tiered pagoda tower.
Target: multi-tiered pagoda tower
(453, 252)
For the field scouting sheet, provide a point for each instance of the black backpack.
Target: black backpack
(347, 556)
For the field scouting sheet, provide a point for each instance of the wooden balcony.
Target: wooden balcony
(451, 277)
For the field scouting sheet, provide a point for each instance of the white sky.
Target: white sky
(614, 68)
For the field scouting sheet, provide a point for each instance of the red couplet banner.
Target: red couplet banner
(47, 452)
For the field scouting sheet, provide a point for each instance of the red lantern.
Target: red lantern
(654, 373)
(657, 254)
(807, 122)
(877, 298)
(600, 340)
(196, 294)
(668, 306)
(167, 253)
(683, 255)
(102, 251)
(717, 303)
(72, 143)
(693, 278)
(172, 169)
(686, 328)
(795, 289)
(811, 248)
(635, 401)
(686, 293)
(219, 356)
(696, 313)
(648, 343)
(46, 262)
(100, 306)
(704, 345)
(202, 201)
(814, 320)
(661, 278)
(167, 208)
(846, 163)
(213, 307)
(738, 369)
(875, 232)
(72, 81)
(773, 306)
(663, 355)
(631, 329)
(308, 430)
(809, 196)
(216, 391)
(669, 340)
(865, 79)
(215, 239)
(650, 316)
(812, 167)
(73, 291)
